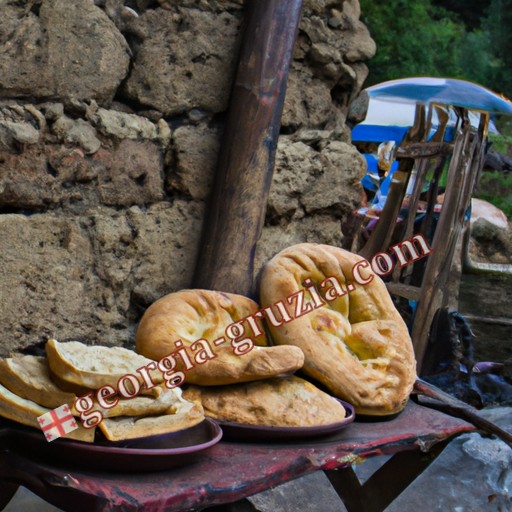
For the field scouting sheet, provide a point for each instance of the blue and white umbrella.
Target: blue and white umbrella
(443, 91)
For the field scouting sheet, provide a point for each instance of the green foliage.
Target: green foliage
(467, 39)
(501, 143)
(496, 187)
(459, 39)
(470, 12)
(498, 25)
(413, 39)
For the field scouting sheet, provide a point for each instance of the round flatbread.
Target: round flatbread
(208, 336)
(354, 340)
(278, 402)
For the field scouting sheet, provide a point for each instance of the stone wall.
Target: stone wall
(110, 120)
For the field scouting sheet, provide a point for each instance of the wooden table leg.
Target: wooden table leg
(7, 491)
(386, 484)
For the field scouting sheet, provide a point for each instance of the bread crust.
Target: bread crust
(29, 390)
(280, 402)
(26, 412)
(185, 415)
(191, 315)
(29, 377)
(75, 366)
(357, 345)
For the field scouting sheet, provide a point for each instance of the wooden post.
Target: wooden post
(463, 168)
(381, 236)
(245, 164)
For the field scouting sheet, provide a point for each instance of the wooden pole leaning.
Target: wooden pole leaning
(236, 213)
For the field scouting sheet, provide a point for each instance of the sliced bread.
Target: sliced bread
(167, 402)
(29, 377)
(91, 367)
(185, 415)
(24, 411)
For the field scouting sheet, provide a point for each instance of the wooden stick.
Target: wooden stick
(460, 409)
(381, 236)
(447, 232)
(238, 205)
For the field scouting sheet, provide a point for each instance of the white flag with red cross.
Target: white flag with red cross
(57, 423)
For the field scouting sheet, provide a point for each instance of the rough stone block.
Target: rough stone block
(186, 60)
(94, 62)
(91, 276)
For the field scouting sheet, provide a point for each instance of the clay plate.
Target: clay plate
(261, 433)
(155, 453)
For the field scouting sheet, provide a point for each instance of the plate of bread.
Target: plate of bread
(278, 410)
(206, 358)
(157, 429)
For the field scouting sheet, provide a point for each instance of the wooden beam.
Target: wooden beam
(406, 291)
(463, 167)
(424, 150)
(381, 236)
(386, 484)
(236, 213)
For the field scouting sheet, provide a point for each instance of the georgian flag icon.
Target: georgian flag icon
(57, 423)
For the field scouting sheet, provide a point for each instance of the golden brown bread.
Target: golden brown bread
(191, 315)
(29, 390)
(280, 402)
(78, 367)
(140, 405)
(355, 344)
(184, 414)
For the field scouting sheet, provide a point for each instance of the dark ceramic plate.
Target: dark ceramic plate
(155, 453)
(260, 433)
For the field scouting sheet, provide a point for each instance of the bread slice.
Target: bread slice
(24, 411)
(29, 377)
(279, 402)
(184, 415)
(93, 366)
(166, 402)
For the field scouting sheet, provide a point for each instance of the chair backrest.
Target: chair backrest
(413, 222)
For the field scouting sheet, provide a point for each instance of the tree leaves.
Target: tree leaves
(466, 39)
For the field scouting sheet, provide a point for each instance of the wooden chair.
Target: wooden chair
(431, 283)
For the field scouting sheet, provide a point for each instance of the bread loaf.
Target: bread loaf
(166, 402)
(194, 326)
(29, 386)
(280, 402)
(183, 415)
(354, 340)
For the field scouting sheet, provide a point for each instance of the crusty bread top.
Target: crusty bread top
(357, 344)
(94, 366)
(29, 377)
(25, 411)
(190, 315)
(284, 402)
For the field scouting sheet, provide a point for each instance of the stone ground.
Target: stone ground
(473, 474)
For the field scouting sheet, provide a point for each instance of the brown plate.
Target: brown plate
(262, 433)
(155, 453)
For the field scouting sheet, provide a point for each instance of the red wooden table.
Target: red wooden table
(230, 471)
